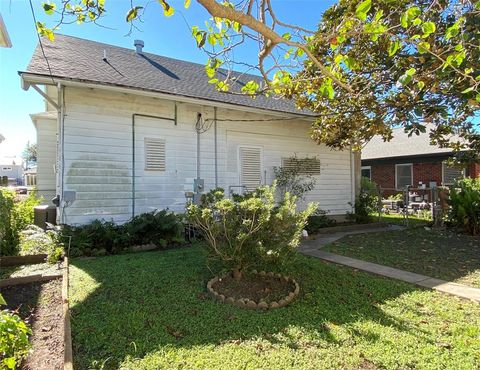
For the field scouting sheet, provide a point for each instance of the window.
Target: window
(403, 175)
(308, 166)
(7, 169)
(367, 172)
(154, 154)
(450, 174)
(250, 167)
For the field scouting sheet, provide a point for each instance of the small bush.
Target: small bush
(317, 221)
(366, 203)
(296, 179)
(98, 238)
(249, 231)
(16, 214)
(34, 240)
(465, 205)
(14, 345)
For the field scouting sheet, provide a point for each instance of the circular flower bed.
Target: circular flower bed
(257, 290)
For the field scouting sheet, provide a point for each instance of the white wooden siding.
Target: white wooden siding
(46, 157)
(98, 155)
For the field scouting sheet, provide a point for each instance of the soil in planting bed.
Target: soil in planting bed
(254, 287)
(40, 305)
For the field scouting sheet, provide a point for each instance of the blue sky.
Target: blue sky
(164, 36)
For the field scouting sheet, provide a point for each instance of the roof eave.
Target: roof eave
(28, 78)
(4, 37)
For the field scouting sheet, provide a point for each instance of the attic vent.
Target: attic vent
(250, 168)
(307, 166)
(154, 154)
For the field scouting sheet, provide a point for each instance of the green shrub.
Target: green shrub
(465, 205)
(366, 203)
(155, 227)
(317, 221)
(17, 214)
(296, 179)
(34, 240)
(14, 345)
(249, 231)
(98, 238)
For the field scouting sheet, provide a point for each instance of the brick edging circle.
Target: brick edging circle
(250, 304)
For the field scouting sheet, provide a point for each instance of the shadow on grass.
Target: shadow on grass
(441, 254)
(132, 305)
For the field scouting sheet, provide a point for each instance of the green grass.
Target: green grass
(398, 219)
(150, 311)
(441, 254)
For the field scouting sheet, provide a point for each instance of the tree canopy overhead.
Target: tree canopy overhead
(368, 67)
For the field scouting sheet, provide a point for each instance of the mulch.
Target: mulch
(254, 287)
(40, 305)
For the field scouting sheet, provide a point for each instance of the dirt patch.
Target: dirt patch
(254, 287)
(40, 305)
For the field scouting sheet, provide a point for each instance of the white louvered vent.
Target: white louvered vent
(154, 154)
(250, 168)
(308, 166)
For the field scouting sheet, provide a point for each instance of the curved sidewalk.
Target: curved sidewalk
(312, 248)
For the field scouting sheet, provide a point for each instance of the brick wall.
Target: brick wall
(474, 170)
(384, 175)
(426, 172)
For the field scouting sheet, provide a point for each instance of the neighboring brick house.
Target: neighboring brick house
(410, 161)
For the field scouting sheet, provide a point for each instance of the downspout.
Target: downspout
(352, 180)
(215, 144)
(199, 117)
(174, 120)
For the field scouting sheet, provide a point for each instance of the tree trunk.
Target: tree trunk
(237, 273)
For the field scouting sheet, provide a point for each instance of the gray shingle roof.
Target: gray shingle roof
(80, 59)
(401, 145)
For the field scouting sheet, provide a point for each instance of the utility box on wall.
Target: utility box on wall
(43, 214)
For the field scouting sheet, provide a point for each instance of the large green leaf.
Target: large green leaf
(362, 9)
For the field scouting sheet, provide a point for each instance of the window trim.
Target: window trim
(443, 174)
(239, 161)
(396, 173)
(366, 168)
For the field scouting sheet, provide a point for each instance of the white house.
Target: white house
(4, 37)
(126, 132)
(13, 172)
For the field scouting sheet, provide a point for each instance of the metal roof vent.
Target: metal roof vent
(139, 44)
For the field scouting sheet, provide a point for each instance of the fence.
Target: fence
(421, 201)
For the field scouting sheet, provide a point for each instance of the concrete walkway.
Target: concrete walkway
(312, 248)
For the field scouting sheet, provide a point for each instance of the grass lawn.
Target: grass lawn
(397, 219)
(444, 255)
(149, 311)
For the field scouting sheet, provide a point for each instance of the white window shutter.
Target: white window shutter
(250, 168)
(154, 154)
(451, 174)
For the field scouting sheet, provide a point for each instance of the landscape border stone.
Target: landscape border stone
(250, 304)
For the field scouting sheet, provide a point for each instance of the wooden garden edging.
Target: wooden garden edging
(27, 279)
(67, 331)
(22, 260)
